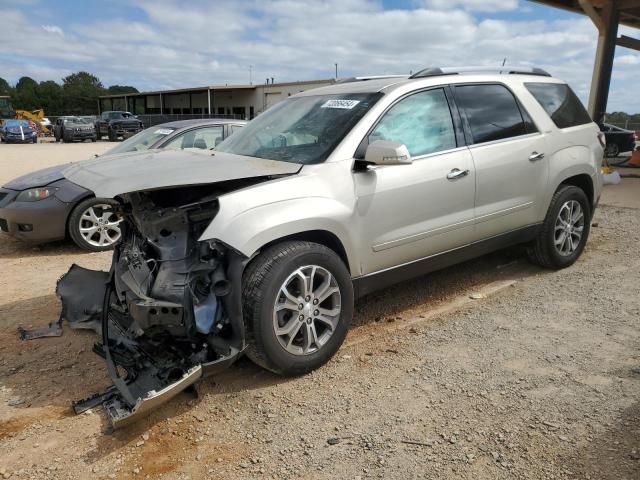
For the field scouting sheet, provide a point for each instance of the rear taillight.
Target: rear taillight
(601, 139)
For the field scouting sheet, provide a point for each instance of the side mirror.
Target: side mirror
(384, 152)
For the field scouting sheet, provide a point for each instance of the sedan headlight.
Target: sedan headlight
(35, 194)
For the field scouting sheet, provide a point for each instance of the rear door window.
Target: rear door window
(559, 101)
(492, 112)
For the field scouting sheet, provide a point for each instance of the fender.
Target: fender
(565, 164)
(250, 230)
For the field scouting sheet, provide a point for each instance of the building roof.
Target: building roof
(629, 9)
(218, 87)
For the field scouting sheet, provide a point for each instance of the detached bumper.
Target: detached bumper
(37, 222)
(157, 368)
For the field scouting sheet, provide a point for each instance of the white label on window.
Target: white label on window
(346, 104)
(163, 131)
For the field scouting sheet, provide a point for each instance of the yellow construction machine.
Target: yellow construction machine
(37, 117)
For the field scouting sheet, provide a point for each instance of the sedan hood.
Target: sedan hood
(25, 130)
(155, 169)
(39, 178)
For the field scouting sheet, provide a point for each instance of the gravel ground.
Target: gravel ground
(538, 377)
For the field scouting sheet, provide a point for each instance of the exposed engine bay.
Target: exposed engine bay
(171, 310)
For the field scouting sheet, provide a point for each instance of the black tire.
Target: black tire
(94, 139)
(98, 136)
(542, 250)
(73, 224)
(112, 135)
(262, 281)
(612, 150)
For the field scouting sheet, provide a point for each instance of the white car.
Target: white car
(262, 246)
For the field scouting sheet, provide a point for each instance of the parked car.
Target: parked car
(330, 194)
(619, 140)
(116, 124)
(18, 131)
(43, 206)
(72, 128)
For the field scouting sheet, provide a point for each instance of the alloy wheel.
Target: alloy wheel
(307, 310)
(569, 228)
(100, 226)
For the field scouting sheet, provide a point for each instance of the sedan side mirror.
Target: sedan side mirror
(384, 152)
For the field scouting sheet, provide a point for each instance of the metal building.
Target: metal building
(239, 101)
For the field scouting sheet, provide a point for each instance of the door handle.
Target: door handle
(457, 173)
(535, 156)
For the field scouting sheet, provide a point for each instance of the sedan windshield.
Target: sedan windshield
(16, 123)
(301, 129)
(142, 141)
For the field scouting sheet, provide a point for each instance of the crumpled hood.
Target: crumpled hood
(39, 178)
(155, 169)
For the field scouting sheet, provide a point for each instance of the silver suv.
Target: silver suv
(261, 246)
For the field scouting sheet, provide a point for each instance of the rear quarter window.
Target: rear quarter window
(560, 103)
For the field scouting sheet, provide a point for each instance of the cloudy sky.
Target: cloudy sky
(174, 44)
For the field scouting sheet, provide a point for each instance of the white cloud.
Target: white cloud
(215, 42)
(53, 29)
(628, 60)
(474, 5)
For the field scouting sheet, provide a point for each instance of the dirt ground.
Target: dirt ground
(538, 378)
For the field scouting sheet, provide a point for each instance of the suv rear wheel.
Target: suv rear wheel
(565, 229)
(298, 305)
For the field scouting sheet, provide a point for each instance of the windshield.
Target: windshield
(142, 141)
(301, 129)
(72, 120)
(16, 123)
(116, 115)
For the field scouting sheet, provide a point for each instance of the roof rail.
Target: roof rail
(370, 77)
(435, 71)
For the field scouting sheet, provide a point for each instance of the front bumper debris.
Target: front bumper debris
(168, 312)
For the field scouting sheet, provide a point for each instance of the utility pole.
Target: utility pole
(336, 70)
(250, 75)
(504, 61)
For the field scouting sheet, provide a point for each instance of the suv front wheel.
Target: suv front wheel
(565, 230)
(298, 304)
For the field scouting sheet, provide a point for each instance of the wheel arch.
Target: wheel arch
(583, 182)
(322, 237)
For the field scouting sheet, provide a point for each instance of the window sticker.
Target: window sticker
(163, 131)
(344, 104)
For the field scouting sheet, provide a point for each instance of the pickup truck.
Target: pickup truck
(116, 124)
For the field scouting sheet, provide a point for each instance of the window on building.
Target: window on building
(421, 121)
(559, 101)
(492, 112)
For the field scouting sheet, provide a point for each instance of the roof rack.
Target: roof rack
(435, 71)
(370, 77)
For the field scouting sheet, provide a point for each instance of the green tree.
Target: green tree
(51, 98)
(117, 89)
(5, 88)
(25, 95)
(81, 91)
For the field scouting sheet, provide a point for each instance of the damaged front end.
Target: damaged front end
(171, 311)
